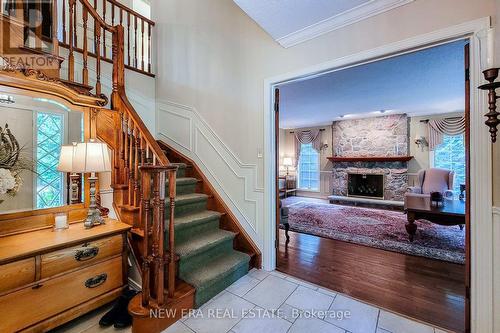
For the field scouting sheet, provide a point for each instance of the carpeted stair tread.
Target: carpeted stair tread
(195, 218)
(180, 165)
(216, 269)
(201, 243)
(189, 198)
(185, 180)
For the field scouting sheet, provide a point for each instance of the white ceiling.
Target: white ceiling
(426, 82)
(290, 22)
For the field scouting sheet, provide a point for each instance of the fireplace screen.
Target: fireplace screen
(367, 186)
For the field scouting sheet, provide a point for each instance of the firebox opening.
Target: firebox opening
(365, 186)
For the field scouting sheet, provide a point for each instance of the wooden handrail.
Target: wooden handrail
(96, 16)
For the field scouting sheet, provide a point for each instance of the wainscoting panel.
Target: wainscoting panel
(183, 128)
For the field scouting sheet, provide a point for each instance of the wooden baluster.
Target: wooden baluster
(125, 151)
(142, 44)
(75, 31)
(64, 21)
(55, 40)
(131, 145)
(137, 155)
(145, 217)
(95, 6)
(85, 71)
(160, 282)
(117, 143)
(71, 57)
(38, 25)
(148, 153)
(104, 2)
(128, 38)
(171, 232)
(112, 14)
(122, 131)
(135, 42)
(143, 151)
(149, 47)
(121, 16)
(97, 51)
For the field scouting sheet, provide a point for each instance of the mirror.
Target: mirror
(32, 133)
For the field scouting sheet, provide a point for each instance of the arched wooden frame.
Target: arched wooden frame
(15, 83)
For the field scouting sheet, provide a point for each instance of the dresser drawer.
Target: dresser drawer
(81, 255)
(31, 305)
(17, 274)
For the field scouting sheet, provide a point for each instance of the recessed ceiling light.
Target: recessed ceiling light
(7, 99)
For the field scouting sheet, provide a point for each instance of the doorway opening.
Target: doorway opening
(373, 181)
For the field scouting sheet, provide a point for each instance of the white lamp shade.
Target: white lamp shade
(66, 158)
(91, 157)
(287, 161)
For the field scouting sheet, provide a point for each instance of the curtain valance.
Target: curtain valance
(445, 126)
(305, 137)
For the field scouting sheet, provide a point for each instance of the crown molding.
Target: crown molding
(356, 14)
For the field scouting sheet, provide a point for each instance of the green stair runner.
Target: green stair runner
(207, 259)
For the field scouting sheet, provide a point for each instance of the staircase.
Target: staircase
(186, 242)
(207, 259)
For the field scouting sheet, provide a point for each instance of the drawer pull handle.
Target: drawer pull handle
(86, 254)
(96, 281)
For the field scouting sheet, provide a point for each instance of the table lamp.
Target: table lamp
(66, 165)
(92, 157)
(287, 162)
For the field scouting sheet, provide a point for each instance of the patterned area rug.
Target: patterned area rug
(378, 228)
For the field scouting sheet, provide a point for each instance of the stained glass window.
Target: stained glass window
(49, 181)
(450, 154)
(308, 168)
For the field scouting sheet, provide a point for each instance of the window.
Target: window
(308, 173)
(49, 181)
(450, 154)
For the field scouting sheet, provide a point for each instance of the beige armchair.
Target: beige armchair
(434, 180)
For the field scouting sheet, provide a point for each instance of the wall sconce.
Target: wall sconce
(490, 72)
(324, 145)
(421, 142)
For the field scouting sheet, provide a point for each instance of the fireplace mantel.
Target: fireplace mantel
(371, 159)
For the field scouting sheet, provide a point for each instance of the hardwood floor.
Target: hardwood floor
(424, 289)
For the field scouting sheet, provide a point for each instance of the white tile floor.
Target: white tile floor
(276, 303)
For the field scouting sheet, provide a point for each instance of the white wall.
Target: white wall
(212, 58)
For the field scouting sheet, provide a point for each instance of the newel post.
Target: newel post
(118, 65)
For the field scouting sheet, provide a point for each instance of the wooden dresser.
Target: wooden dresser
(50, 277)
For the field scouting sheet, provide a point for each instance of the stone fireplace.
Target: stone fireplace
(359, 167)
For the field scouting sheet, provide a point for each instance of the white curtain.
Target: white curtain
(445, 126)
(305, 137)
